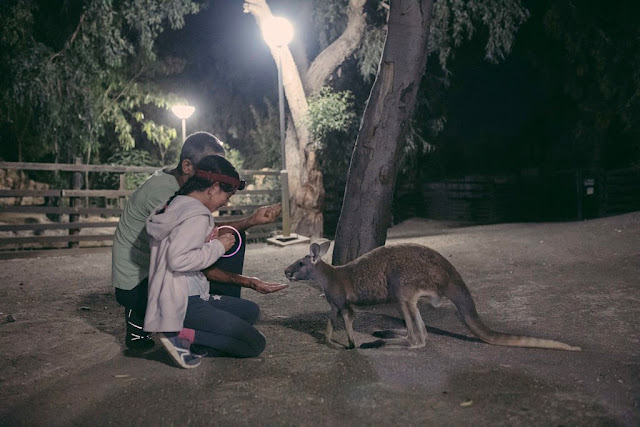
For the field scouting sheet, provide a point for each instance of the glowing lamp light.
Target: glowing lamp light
(277, 31)
(183, 111)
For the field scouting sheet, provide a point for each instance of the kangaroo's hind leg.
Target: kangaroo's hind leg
(393, 333)
(332, 323)
(413, 338)
(347, 315)
(416, 330)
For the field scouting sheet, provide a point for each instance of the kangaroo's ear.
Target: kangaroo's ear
(318, 249)
(314, 252)
(324, 247)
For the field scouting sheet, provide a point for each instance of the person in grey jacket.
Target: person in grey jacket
(184, 241)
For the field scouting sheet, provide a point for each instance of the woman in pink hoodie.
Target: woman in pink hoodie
(184, 241)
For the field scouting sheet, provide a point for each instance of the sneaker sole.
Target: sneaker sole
(171, 349)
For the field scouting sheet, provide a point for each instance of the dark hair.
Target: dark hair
(198, 145)
(216, 164)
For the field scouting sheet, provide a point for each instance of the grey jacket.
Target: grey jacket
(178, 248)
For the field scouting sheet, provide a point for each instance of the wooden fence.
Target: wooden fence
(45, 221)
(530, 196)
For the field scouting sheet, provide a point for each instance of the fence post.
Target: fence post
(121, 187)
(75, 202)
(579, 190)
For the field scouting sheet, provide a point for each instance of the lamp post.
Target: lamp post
(278, 32)
(183, 112)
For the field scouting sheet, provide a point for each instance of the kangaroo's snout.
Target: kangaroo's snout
(290, 272)
(299, 270)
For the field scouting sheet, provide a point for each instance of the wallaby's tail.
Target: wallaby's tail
(467, 308)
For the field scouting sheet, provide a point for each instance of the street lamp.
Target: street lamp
(183, 112)
(278, 32)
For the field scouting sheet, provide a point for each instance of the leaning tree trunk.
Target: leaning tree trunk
(305, 178)
(366, 209)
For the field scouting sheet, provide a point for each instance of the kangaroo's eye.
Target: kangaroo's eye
(301, 264)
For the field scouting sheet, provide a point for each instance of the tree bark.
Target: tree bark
(305, 178)
(337, 52)
(366, 210)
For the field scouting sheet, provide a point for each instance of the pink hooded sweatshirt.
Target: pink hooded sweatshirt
(177, 238)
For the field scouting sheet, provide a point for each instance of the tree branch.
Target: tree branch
(73, 37)
(335, 54)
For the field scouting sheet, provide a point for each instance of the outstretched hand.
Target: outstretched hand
(265, 287)
(266, 214)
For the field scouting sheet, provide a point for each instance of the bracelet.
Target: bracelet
(239, 240)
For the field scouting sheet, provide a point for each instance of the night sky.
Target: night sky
(509, 113)
(224, 48)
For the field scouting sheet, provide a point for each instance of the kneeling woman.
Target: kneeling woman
(184, 241)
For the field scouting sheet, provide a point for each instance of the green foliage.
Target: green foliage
(370, 52)
(132, 180)
(160, 135)
(72, 74)
(453, 21)
(265, 138)
(415, 146)
(235, 157)
(329, 112)
(329, 19)
(599, 61)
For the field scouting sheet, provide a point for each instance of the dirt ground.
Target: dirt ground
(63, 362)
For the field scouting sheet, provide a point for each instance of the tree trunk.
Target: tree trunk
(305, 178)
(366, 210)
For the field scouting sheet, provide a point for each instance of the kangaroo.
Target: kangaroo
(403, 274)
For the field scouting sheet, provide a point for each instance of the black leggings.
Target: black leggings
(225, 324)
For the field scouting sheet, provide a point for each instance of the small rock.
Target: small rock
(10, 318)
(466, 403)
(85, 308)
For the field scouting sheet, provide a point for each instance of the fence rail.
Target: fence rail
(560, 195)
(36, 221)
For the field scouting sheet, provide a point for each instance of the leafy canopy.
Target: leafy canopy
(77, 71)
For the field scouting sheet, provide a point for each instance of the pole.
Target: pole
(75, 203)
(184, 130)
(284, 175)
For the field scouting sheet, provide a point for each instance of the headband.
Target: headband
(238, 184)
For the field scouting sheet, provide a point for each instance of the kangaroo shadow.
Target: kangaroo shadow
(314, 324)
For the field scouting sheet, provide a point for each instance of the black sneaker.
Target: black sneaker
(136, 338)
(137, 342)
(178, 349)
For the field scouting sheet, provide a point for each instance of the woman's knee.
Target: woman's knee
(251, 312)
(258, 344)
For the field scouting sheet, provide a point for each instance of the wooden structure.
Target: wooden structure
(574, 194)
(85, 219)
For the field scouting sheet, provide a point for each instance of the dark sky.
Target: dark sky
(224, 46)
(505, 104)
(222, 41)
